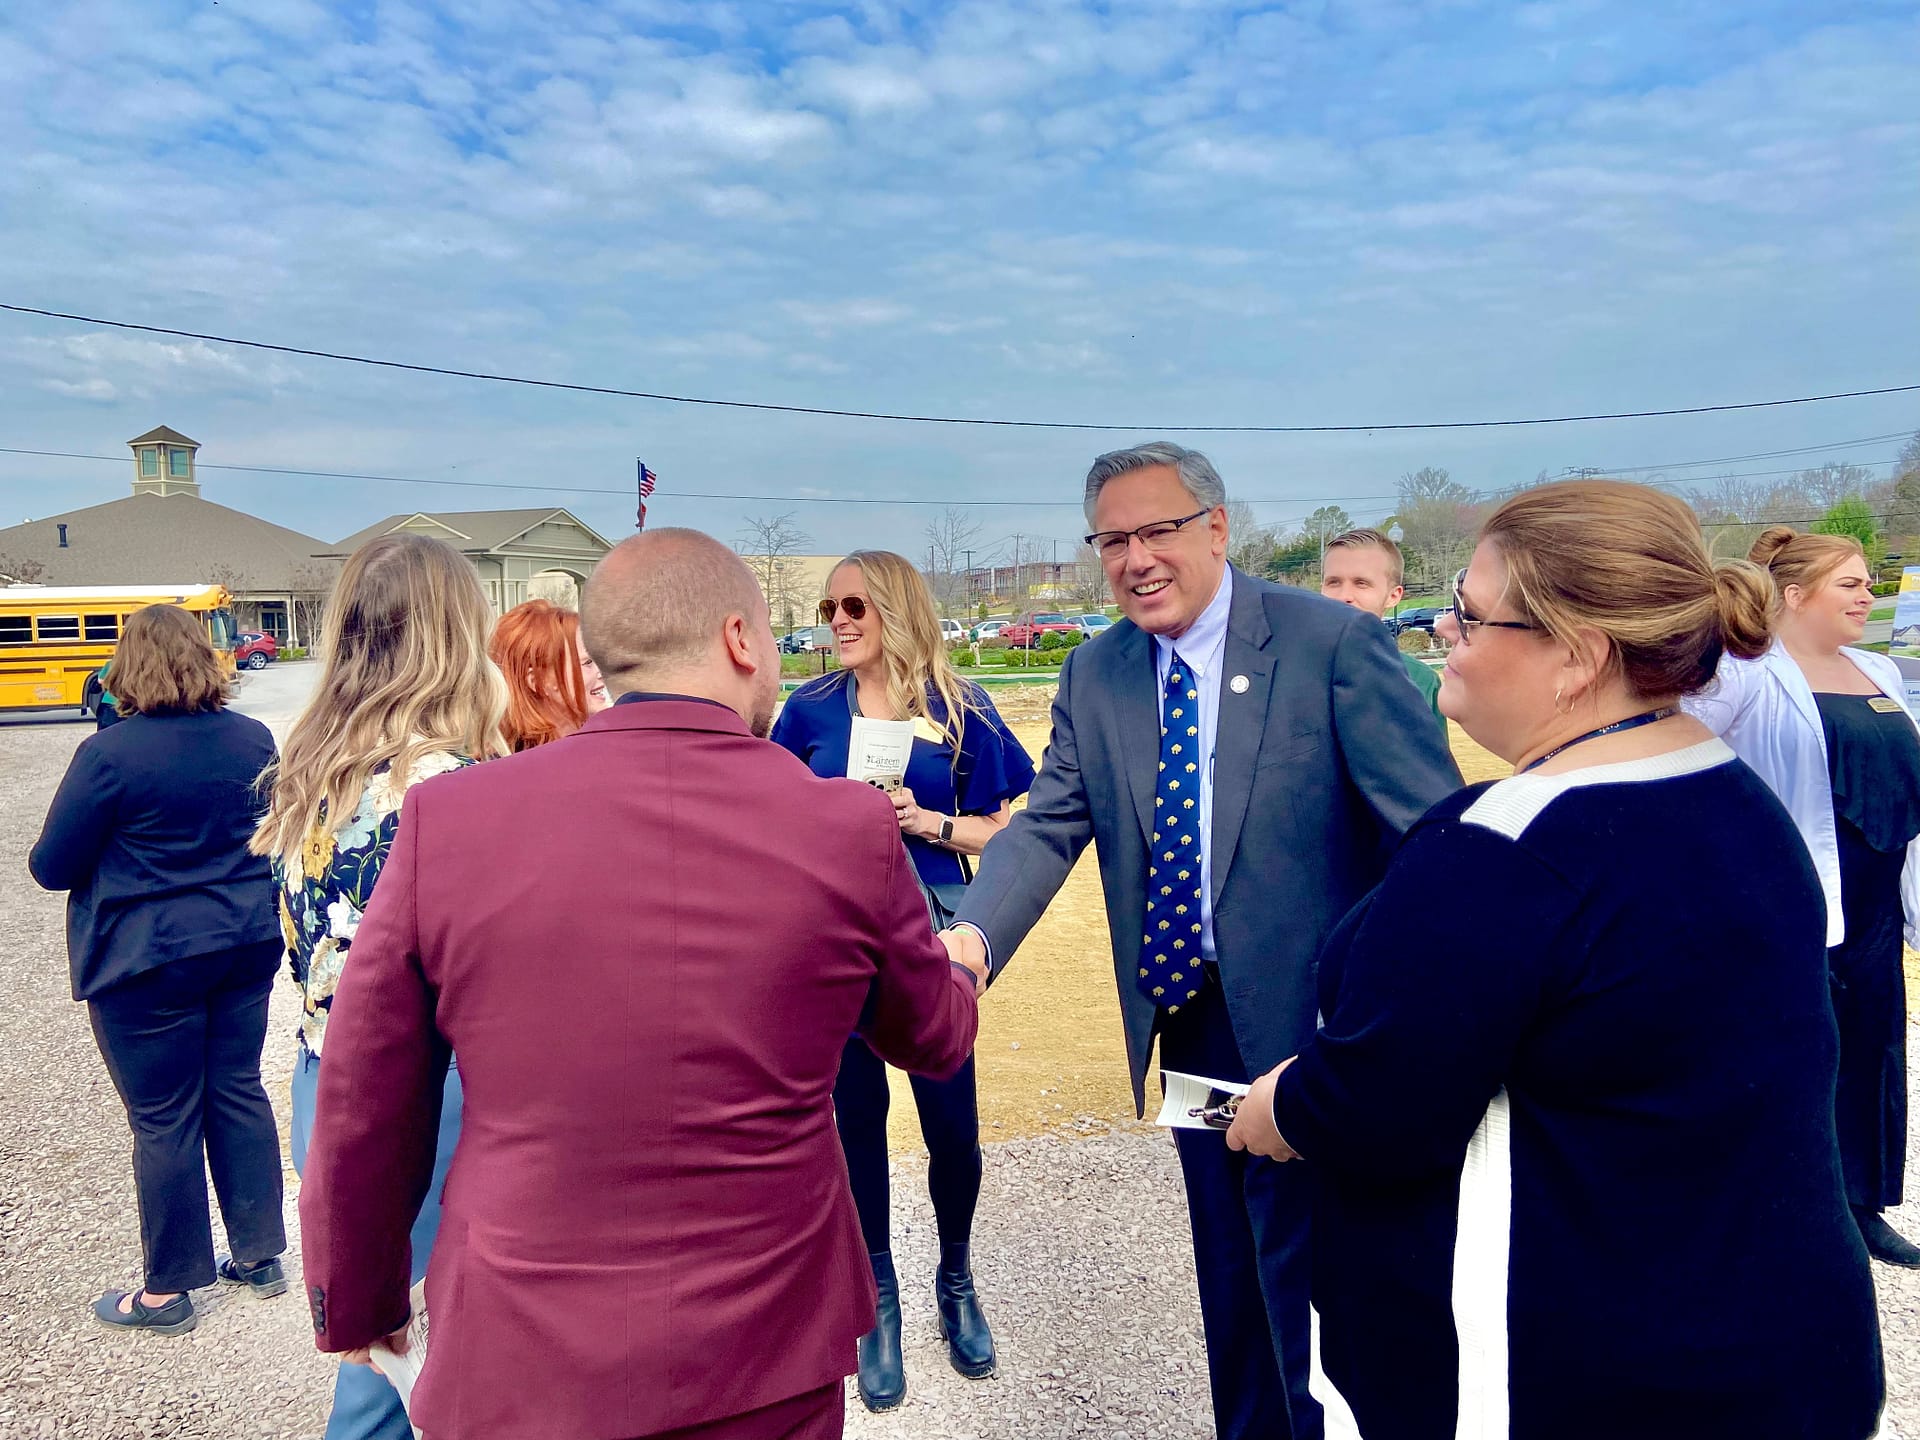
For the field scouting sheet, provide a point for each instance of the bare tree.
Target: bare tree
(24, 571)
(950, 540)
(1831, 483)
(1249, 543)
(1089, 585)
(309, 586)
(1437, 518)
(769, 545)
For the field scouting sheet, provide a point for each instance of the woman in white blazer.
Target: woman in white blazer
(1827, 727)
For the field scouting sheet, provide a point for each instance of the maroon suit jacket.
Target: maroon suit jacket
(647, 944)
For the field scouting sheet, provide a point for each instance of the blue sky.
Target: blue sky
(1343, 212)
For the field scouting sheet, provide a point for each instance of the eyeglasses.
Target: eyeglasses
(1467, 623)
(855, 607)
(1157, 536)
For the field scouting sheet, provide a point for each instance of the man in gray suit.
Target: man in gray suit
(1244, 756)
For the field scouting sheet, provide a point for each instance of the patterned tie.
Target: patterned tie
(1170, 971)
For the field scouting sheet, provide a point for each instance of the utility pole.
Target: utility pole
(969, 584)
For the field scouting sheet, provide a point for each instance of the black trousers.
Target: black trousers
(182, 1043)
(1250, 1221)
(949, 1122)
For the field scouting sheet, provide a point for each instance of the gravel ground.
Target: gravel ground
(1080, 1248)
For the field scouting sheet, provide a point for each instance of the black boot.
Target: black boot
(962, 1323)
(883, 1369)
(1884, 1243)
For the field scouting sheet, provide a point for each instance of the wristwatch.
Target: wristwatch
(946, 830)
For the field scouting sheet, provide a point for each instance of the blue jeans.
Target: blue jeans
(365, 1406)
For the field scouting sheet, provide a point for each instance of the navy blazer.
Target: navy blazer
(149, 832)
(1322, 762)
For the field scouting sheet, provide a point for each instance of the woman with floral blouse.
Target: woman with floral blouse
(407, 693)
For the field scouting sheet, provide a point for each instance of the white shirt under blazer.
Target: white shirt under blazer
(1765, 709)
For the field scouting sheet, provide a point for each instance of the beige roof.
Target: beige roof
(132, 540)
(469, 531)
(166, 434)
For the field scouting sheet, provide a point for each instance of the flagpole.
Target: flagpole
(640, 486)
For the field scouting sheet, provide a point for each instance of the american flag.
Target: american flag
(647, 480)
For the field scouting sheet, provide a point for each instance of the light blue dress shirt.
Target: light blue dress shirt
(1204, 648)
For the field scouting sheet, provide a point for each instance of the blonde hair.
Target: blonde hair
(165, 665)
(911, 647)
(1804, 560)
(1368, 538)
(405, 673)
(1628, 561)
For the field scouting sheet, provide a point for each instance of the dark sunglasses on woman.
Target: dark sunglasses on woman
(855, 607)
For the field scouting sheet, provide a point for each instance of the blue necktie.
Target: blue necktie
(1170, 973)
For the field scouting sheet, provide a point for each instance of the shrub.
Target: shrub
(299, 652)
(1886, 588)
(994, 642)
(963, 659)
(1053, 640)
(1415, 642)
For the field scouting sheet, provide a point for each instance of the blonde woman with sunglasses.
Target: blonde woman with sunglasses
(965, 770)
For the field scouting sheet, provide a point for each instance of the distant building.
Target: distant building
(164, 530)
(280, 578)
(520, 554)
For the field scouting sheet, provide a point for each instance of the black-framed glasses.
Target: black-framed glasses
(855, 607)
(1467, 622)
(1157, 536)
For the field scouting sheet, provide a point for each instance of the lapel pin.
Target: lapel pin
(1239, 684)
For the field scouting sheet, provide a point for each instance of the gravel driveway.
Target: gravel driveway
(1079, 1248)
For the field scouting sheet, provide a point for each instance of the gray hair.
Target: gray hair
(1196, 472)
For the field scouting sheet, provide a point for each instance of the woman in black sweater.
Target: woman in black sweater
(1571, 1109)
(173, 944)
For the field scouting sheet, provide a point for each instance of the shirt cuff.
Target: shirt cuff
(985, 943)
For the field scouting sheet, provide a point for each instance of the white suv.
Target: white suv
(952, 633)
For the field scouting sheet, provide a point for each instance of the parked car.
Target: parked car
(953, 632)
(986, 629)
(255, 650)
(1092, 625)
(806, 640)
(1420, 619)
(1027, 630)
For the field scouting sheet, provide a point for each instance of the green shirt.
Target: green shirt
(1426, 680)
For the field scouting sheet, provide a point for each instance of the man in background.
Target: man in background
(647, 943)
(1363, 568)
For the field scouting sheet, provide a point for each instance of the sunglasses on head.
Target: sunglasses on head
(855, 607)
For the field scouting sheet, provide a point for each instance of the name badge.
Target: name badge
(1881, 705)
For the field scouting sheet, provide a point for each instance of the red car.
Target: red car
(1027, 630)
(255, 651)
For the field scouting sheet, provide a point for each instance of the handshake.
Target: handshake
(967, 949)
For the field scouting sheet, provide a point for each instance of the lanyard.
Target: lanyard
(1632, 722)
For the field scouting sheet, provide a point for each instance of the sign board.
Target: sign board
(1904, 648)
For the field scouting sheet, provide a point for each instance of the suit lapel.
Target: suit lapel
(1137, 702)
(1241, 721)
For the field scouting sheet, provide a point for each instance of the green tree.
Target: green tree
(1852, 516)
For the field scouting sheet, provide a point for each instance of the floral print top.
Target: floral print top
(325, 887)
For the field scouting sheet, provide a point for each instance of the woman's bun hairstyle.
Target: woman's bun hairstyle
(1744, 595)
(1772, 541)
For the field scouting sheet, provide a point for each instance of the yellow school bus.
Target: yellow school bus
(55, 638)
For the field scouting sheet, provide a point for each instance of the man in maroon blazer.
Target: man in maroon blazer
(647, 944)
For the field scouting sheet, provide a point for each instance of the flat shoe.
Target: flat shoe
(176, 1317)
(264, 1278)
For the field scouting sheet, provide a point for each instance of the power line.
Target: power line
(626, 492)
(1738, 459)
(946, 419)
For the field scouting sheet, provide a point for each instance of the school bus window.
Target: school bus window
(59, 627)
(103, 627)
(15, 630)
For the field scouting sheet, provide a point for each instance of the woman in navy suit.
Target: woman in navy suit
(173, 944)
(964, 771)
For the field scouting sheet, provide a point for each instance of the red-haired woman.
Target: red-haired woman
(552, 683)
